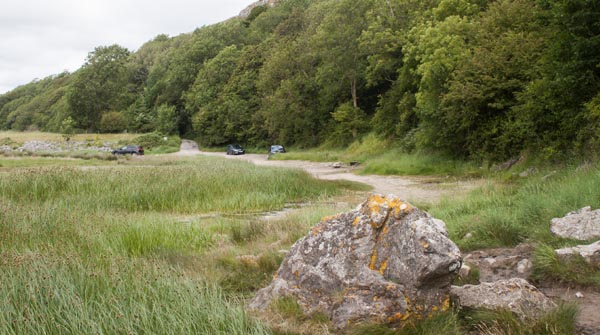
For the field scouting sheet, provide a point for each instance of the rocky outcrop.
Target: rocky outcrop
(583, 224)
(385, 261)
(244, 13)
(591, 253)
(515, 294)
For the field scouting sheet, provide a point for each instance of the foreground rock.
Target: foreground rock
(591, 253)
(515, 294)
(583, 224)
(385, 261)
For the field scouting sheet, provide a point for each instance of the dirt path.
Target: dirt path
(414, 189)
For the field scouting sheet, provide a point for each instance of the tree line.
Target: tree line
(476, 79)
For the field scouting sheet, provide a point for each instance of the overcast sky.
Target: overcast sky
(43, 37)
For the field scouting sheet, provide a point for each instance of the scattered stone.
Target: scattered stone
(579, 295)
(354, 163)
(524, 267)
(591, 253)
(515, 294)
(502, 263)
(508, 164)
(583, 224)
(337, 165)
(546, 177)
(468, 236)
(530, 171)
(386, 261)
(464, 271)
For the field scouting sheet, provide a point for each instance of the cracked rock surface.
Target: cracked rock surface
(385, 261)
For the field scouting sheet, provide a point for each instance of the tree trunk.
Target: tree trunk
(354, 95)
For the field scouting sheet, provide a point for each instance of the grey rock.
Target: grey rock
(246, 12)
(524, 267)
(515, 294)
(583, 224)
(385, 261)
(591, 253)
(337, 165)
(465, 271)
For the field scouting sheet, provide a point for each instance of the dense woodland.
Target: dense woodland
(476, 79)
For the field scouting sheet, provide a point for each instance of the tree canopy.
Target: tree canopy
(476, 79)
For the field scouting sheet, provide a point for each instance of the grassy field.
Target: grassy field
(173, 245)
(376, 158)
(141, 246)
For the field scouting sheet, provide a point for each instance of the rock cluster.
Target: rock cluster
(583, 224)
(47, 146)
(385, 261)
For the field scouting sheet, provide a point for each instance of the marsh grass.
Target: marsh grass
(114, 296)
(559, 321)
(104, 249)
(508, 213)
(376, 158)
(207, 185)
(547, 266)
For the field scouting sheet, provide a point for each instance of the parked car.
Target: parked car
(276, 149)
(129, 150)
(235, 149)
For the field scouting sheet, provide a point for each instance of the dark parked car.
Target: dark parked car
(129, 150)
(235, 149)
(275, 149)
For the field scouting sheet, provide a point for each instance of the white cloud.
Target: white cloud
(39, 37)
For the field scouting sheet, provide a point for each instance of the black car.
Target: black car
(129, 150)
(235, 149)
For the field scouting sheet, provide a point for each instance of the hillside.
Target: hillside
(478, 79)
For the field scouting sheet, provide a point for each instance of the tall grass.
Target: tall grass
(208, 185)
(377, 158)
(505, 214)
(113, 296)
(105, 250)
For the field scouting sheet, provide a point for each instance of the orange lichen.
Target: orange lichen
(446, 304)
(383, 266)
(356, 221)
(398, 317)
(424, 244)
(373, 260)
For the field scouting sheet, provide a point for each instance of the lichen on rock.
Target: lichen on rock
(386, 261)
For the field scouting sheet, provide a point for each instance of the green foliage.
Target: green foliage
(113, 122)
(559, 321)
(166, 119)
(440, 323)
(67, 128)
(99, 86)
(575, 270)
(247, 274)
(505, 214)
(473, 79)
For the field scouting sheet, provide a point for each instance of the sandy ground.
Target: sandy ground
(413, 189)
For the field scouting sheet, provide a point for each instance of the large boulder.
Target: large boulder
(583, 224)
(515, 294)
(385, 261)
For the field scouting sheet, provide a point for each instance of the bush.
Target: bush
(113, 122)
